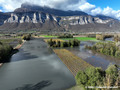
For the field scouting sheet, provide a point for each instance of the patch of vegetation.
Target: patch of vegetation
(117, 38)
(73, 62)
(70, 43)
(48, 36)
(65, 36)
(97, 77)
(81, 38)
(107, 48)
(5, 52)
(102, 36)
(26, 37)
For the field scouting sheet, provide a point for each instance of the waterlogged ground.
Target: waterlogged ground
(35, 67)
(95, 59)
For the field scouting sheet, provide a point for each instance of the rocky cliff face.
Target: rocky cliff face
(3, 17)
(42, 18)
(32, 18)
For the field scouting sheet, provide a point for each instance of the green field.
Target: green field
(81, 38)
(48, 36)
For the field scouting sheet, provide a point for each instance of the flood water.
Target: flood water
(95, 59)
(35, 67)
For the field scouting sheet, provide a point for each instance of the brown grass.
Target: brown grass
(73, 63)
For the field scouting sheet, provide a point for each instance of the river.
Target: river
(35, 67)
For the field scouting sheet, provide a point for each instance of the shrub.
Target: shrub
(5, 52)
(26, 37)
(117, 53)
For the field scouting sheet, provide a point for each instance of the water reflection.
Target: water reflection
(37, 86)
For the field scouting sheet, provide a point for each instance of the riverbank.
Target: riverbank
(17, 47)
(20, 45)
(73, 63)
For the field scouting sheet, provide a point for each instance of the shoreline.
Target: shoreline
(17, 47)
(20, 45)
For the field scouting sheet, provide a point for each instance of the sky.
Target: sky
(94, 7)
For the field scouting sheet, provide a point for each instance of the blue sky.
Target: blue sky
(115, 4)
(105, 7)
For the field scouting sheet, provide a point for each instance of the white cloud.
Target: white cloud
(107, 12)
(10, 5)
(86, 7)
(83, 5)
(96, 11)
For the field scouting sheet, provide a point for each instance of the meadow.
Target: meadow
(81, 38)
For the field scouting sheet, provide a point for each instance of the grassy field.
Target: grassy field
(73, 63)
(81, 38)
(47, 36)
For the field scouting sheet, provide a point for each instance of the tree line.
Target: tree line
(98, 77)
(70, 43)
(107, 48)
(65, 36)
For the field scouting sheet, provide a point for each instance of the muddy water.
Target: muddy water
(35, 67)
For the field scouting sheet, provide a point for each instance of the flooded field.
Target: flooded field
(95, 59)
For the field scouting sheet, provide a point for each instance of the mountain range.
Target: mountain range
(44, 19)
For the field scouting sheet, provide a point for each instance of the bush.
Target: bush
(26, 37)
(117, 54)
(5, 52)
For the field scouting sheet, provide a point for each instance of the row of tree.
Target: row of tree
(5, 52)
(65, 36)
(70, 43)
(107, 48)
(97, 77)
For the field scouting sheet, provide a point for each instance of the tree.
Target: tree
(81, 78)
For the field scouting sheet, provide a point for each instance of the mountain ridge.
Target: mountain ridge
(31, 17)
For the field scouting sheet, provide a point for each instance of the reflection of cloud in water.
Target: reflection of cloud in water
(84, 55)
